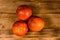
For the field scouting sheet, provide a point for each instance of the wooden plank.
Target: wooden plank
(40, 7)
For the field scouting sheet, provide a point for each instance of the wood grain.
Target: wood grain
(49, 10)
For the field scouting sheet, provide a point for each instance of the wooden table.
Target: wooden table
(49, 10)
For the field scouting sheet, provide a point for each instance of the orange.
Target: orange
(19, 28)
(36, 24)
(23, 12)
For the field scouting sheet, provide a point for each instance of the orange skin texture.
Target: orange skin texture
(23, 12)
(36, 24)
(19, 28)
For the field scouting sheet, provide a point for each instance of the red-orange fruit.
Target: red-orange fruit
(36, 24)
(19, 28)
(23, 12)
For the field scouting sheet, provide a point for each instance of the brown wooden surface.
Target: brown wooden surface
(49, 10)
